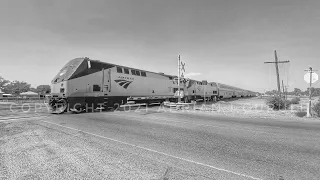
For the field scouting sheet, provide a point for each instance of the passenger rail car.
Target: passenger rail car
(199, 89)
(225, 91)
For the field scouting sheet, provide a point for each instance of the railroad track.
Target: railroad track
(12, 118)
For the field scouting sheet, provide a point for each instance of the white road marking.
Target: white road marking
(198, 124)
(158, 152)
(155, 118)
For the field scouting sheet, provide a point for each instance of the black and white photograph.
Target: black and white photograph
(159, 89)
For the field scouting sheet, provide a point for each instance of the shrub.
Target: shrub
(277, 103)
(301, 113)
(316, 108)
(295, 100)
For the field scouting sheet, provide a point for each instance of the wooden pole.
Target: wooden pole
(277, 71)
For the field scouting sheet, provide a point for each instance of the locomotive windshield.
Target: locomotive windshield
(66, 72)
(79, 67)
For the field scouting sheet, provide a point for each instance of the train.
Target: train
(84, 83)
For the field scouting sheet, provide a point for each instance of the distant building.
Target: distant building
(7, 95)
(29, 94)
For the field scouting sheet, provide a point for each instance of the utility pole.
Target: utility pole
(179, 98)
(311, 71)
(276, 62)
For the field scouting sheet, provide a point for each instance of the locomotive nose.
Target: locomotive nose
(59, 89)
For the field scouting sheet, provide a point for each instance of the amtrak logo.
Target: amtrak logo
(123, 83)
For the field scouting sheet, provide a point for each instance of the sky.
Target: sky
(224, 41)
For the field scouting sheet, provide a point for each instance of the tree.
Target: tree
(43, 89)
(297, 91)
(3, 82)
(16, 87)
(314, 91)
(33, 89)
(307, 91)
(273, 92)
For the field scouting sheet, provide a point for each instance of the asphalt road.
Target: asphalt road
(194, 145)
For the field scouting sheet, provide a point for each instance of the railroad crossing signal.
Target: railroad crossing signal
(182, 66)
(310, 77)
(314, 77)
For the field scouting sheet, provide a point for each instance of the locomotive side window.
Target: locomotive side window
(133, 72)
(143, 74)
(126, 71)
(96, 87)
(119, 69)
(138, 73)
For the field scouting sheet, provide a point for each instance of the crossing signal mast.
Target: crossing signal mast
(181, 70)
(276, 62)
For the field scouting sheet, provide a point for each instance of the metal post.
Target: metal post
(311, 71)
(204, 84)
(179, 99)
(310, 68)
(102, 84)
(204, 93)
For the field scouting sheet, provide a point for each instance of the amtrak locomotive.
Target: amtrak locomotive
(84, 83)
